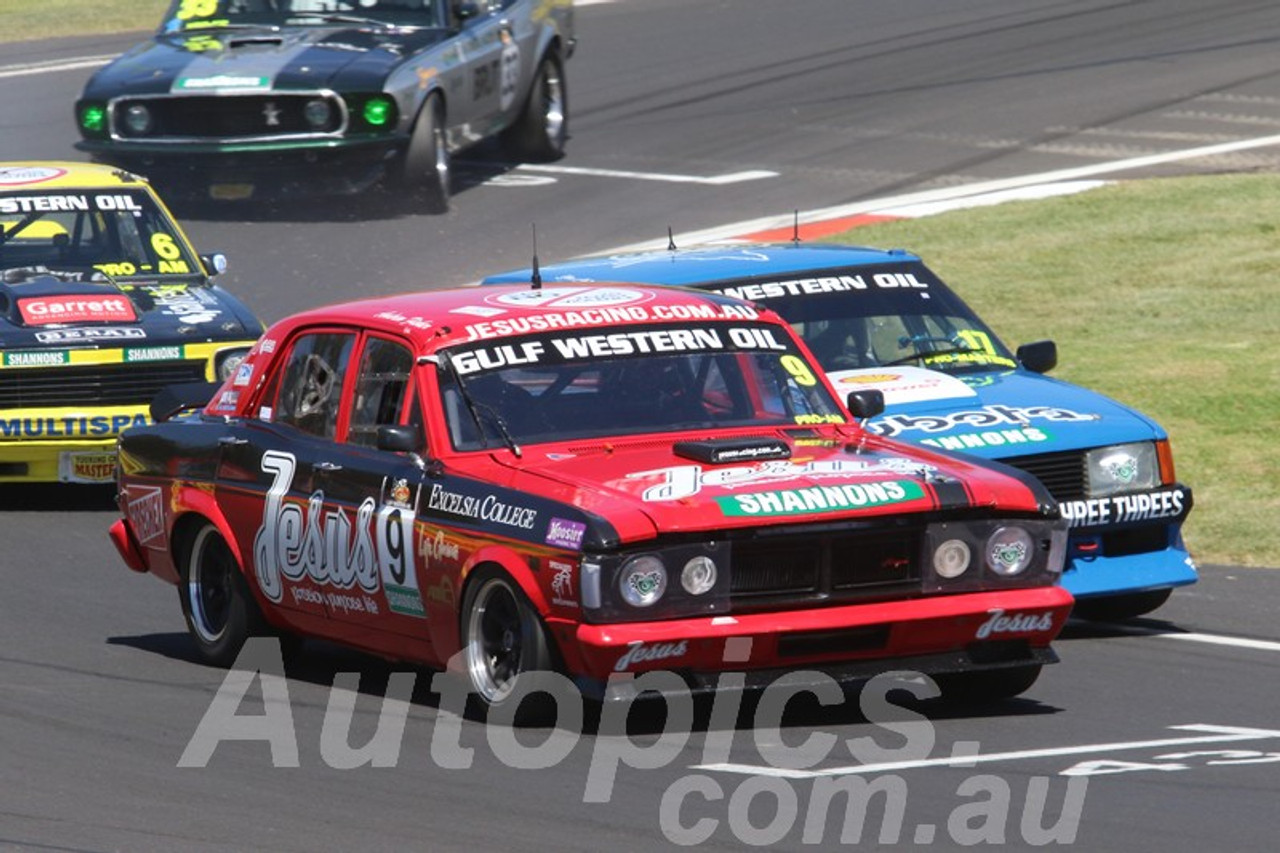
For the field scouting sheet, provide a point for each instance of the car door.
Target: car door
(489, 47)
(379, 492)
(274, 470)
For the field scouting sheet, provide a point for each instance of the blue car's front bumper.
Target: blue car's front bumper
(1088, 576)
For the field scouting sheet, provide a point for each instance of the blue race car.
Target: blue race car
(882, 319)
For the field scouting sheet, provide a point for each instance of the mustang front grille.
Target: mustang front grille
(93, 385)
(823, 566)
(230, 117)
(1063, 474)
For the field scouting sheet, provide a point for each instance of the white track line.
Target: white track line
(716, 181)
(53, 66)
(1213, 734)
(768, 223)
(1218, 640)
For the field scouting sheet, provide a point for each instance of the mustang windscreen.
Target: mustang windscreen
(120, 233)
(644, 379)
(203, 14)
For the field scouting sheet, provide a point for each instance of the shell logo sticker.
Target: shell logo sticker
(571, 297)
(871, 379)
(905, 384)
(16, 176)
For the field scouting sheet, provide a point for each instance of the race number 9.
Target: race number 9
(395, 551)
(197, 9)
(799, 371)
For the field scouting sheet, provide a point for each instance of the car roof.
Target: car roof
(708, 263)
(24, 175)
(434, 319)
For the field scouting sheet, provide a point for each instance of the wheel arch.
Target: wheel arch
(188, 524)
(517, 568)
(420, 104)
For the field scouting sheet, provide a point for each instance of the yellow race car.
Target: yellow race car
(103, 302)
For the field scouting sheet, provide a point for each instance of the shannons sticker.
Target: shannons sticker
(820, 499)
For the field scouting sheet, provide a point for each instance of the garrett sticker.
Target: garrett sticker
(46, 310)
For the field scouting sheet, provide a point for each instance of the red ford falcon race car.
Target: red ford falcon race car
(590, 480)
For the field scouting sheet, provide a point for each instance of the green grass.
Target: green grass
(1163, 294)
(33, 19)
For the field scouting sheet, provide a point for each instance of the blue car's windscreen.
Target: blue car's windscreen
(876, 316)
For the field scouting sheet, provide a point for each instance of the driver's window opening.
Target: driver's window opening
(310, 391)
(382, 391)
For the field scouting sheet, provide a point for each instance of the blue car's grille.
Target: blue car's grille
(1063, 474)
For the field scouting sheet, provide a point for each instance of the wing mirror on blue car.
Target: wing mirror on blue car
(1038, 357)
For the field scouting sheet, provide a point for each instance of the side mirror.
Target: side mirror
(865, 404)
(399, 439)
(1039, 357)
(215, 263)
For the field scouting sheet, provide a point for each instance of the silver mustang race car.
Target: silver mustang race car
(233, 99)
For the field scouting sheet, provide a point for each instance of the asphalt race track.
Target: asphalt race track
(1162, 735)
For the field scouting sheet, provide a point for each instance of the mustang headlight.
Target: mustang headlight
(1009, 551)
(643, 581)
(93, 118)
(377, 111)
(317, 112)
(137, 120)
(1122, 468)
(227, 361)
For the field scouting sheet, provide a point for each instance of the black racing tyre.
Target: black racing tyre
(426, 162)
(1116, 608)
(220, 611)
(989, 685)
(503, 639)
(539, 133)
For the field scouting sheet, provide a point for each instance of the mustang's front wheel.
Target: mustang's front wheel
(503, 638)
(426, 163)
(220, 611)
(543, 125)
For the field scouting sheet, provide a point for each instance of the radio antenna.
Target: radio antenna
(535, 278)
(671, 240)
(795, 231)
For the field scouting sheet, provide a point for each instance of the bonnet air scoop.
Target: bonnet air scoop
(729, 450)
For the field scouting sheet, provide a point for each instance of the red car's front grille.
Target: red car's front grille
(823, 567)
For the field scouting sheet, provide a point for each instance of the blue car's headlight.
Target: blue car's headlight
(1121, 468)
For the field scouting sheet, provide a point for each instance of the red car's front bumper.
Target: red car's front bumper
(954, 633)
